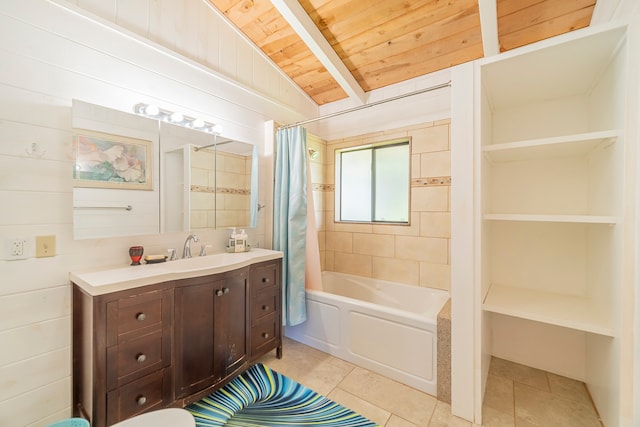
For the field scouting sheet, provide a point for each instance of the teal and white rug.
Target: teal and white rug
(260, 397)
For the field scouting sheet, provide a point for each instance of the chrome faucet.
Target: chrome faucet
(186, 251)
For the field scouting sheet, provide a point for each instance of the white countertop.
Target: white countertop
(105, 280)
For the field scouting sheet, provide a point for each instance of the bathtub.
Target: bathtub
(386, 327)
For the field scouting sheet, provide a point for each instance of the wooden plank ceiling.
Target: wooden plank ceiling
(389, 41)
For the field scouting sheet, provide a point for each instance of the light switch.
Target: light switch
(45, 246)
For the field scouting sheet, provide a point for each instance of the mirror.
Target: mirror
(115, 175)
(194, 180)
(236, 184)
(209, 181)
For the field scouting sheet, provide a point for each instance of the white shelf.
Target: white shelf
(556, 309)
(522, 76)
(575, 145)
(580, 219)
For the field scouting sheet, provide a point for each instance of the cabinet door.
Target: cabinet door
(231, 322)
(195, 351)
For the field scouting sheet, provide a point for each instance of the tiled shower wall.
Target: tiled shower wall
(233, 190)
(220, 194)
(417, 253)
(202, 191)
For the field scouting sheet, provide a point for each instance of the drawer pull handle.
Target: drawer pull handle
(141, 400)
(265, 335)
(225, 290)
(141, 316)
(141, 357)
(265, 307)
(265, 280)
(219, 293)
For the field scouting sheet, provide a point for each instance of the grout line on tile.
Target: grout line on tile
(593, 404)
(398, 416)
(365, 400)
(513, 393)
(432, 413)
(546, 376)
(353, 367)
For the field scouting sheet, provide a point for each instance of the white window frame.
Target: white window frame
(338, 186)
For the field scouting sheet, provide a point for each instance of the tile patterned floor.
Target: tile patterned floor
(520, 396)
(516, 395)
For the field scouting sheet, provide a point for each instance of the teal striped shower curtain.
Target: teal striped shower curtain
(290, 219)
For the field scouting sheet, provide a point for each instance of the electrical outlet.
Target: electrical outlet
(15, 248)
(45, 246)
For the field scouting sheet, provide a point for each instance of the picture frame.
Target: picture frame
(103, 160)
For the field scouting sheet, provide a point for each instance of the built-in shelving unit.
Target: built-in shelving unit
(570, 311)
(585, 219)
(552, 191)
(559, 146)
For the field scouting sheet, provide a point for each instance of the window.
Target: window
(373, 183)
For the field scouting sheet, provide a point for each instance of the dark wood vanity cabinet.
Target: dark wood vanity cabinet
(211, 339)
(171, 343)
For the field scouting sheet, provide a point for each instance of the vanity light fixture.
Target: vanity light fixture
(155, 112)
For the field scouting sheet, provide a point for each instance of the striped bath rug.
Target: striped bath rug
(265, 398)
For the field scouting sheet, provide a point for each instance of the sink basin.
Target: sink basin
(204, 262)
(98, 282)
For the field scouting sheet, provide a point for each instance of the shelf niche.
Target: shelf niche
(551, 153)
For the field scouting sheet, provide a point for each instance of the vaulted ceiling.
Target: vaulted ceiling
(334, 49)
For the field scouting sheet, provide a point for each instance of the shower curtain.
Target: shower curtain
(290, 220)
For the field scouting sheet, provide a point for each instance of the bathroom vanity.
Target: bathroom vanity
(165, 335)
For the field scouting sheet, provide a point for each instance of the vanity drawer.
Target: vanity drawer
(264, 276)
(136, 315)
(135, 358)
(265, 333)
(263, 304)
(147, 393)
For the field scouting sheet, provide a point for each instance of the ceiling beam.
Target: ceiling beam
(489, 27)
(302, 24)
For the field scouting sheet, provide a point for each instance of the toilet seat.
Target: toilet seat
(171, 417)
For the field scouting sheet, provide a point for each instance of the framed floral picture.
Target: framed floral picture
(109, 161)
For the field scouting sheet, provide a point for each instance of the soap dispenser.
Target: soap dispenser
(245, 240)
(232, 240)
(241, 240)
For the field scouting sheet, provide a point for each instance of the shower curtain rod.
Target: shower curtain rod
(361, 107)
(215, 144)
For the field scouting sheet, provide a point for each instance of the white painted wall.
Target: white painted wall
(634, 416)
(412, 110)
(57, 54)
(198, 31)
(630, 330)
(464, 294)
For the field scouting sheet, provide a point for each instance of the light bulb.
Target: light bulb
(197, 123)
(217, 129)
(151, 110)
(176, 117)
